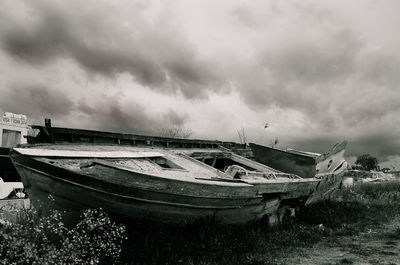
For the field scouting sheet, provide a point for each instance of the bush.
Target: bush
(44, 239)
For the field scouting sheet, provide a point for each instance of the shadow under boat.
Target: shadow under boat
(7, 170)
(174, 181)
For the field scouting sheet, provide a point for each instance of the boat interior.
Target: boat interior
(188, 164)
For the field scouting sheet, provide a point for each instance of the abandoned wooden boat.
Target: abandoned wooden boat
(304, 164)
(157, 178)
(180, 185)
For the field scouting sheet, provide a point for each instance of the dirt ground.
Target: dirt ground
(378, 244)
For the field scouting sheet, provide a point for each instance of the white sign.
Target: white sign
(14, 119)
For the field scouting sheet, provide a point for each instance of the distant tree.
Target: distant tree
(242, 136)
(367, 162)
(176, 132)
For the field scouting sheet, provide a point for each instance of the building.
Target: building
(13, 131)
(13, 128)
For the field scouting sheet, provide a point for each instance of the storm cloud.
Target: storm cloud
(113, 115)
(154, 53)
(37, 100)
(317, 72)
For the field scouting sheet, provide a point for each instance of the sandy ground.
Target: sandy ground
(376, 245)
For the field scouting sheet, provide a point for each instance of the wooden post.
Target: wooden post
(47, 129)
(214, 160)
(47, 122)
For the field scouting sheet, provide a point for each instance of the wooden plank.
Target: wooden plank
(328, 184)
(252, 164)
(210, 155)
(85, 154)
(214, 160)
(76, 135)
(81, 132)
(189, 187)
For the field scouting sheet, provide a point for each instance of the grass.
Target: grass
(395, 234)
(98, 240)
(352, 211)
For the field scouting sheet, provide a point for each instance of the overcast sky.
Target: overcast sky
(318, 72)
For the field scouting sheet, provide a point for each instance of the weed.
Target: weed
(208, 243)
(395, 234)
(346, 261)
(42, 238)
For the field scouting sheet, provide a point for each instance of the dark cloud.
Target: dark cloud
(381, 146)
(35, 43)
(193, 79)
(301, 75)
(373, 109)
(53, 37)
(132, 118)
(157, 55)
(323, 68)
(108, 113)
(174, 119)
(37, 101)
(112, 116)
(380, 67)
(310, 62)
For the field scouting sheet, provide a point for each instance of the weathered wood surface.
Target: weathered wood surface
(199, 155)
(300, 165)
(332, 161)
(328, 184)
(62, 135)
(337, 148)
(303, 164)
(85, 154)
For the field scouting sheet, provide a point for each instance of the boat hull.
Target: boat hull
(73, 197)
